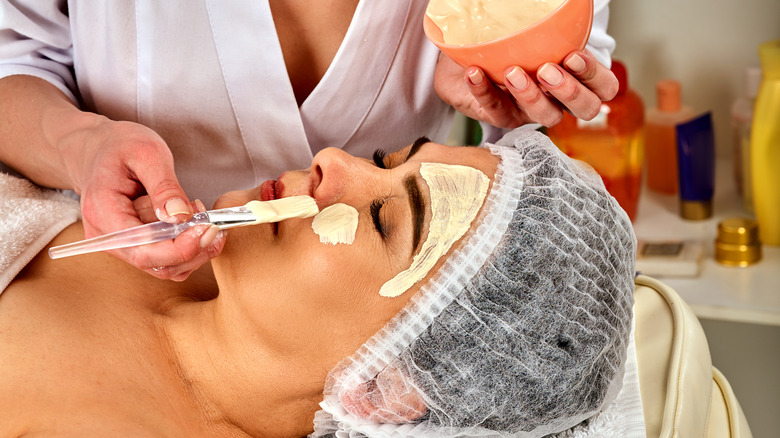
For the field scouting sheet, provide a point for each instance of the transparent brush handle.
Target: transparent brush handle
(140, 235)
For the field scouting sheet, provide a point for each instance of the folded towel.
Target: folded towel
(30, 217)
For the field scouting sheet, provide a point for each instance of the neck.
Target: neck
(239, 381)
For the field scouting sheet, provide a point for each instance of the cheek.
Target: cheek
(337, 274)
(346, 283)
(340, 281)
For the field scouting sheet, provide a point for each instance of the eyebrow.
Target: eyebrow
(416, 147)
(417, 203)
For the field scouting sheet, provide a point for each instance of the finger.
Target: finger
(107, 201)
(187, 251)
(145, 211)
(493, 104)
(576, 97)
(199, 206)
(152, 166)
(176, 273)
(530, 97)
(183, 276)
(104, 211)
(181, 271)
(592, 74)
(174, 259)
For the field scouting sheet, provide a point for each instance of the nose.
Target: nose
(332, 170)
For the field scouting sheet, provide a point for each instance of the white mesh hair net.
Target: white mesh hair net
(522, 332)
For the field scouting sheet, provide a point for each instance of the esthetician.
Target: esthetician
(487, 291)
(104, 98)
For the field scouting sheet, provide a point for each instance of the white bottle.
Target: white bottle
(741, 120)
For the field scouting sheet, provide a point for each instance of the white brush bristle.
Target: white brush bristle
(283, 208)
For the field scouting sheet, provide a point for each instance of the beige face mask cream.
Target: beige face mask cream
(475, 21)
(456, 194)
(336, 224)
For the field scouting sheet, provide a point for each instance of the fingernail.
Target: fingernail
(200, 206)
(476, 76)
(176, 206)
(208, 236)
(550, 74)
(517, 78)
(576, 64)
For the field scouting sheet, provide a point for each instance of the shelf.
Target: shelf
(750, 294)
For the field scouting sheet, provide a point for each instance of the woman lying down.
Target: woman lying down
(487, 292)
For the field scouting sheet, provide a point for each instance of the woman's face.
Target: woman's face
(306, 290)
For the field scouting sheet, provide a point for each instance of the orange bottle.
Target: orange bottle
(661, 137)
(611, 143)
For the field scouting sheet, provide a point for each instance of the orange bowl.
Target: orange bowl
(550, 39)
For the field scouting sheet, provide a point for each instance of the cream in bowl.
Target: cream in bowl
(497, 34)
(477, 21)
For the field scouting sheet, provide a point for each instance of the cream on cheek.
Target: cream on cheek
(456, 194)
(336, 224)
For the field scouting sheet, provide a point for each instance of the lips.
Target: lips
(268, 191)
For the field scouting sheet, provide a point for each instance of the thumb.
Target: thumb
(168, 199)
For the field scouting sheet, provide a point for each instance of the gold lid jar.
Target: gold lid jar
(737, 243)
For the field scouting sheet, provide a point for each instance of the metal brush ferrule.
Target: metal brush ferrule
(231, 217)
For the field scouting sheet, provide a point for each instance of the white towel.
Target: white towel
(30, 217)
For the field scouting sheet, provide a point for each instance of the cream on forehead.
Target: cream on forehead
(336, 224)
(456, 194)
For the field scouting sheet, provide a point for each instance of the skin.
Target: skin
(120, 167)
(93, 347)
(581, 84)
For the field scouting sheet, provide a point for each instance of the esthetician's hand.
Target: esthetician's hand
(578, 85)
(124, 174)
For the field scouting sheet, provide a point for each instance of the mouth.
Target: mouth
(270, 190)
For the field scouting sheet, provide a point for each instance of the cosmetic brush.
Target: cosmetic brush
(254, 212)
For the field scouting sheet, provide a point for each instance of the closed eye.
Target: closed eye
(380, 155)
(376, 208)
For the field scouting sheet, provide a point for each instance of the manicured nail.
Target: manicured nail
(550, 74)
(476, 76)
(208, 236)
(576, 64)
(200, 206)
(517, 78)
(176, 206)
